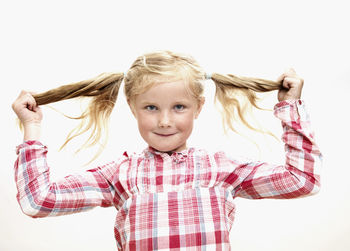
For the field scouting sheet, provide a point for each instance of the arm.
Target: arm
(300, 175)
(39, 197)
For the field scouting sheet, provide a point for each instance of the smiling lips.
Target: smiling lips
(164, 134)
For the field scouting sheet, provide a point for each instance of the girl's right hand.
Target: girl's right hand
(26, 109)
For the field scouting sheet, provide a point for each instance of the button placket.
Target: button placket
(178, 157)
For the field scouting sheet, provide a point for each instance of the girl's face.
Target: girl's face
(165, 114)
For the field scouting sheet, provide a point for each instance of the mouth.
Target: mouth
(164, 134)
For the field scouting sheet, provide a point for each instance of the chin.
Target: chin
(165, 149)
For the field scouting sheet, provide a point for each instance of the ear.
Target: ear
(199, 108)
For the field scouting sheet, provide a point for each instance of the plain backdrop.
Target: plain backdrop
(45, 44)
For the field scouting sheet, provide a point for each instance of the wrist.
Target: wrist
(32, 131)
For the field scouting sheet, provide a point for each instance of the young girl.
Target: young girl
(170, 196)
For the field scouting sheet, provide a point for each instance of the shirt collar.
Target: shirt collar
(149, 151)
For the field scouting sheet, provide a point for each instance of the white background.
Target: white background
(45, 44)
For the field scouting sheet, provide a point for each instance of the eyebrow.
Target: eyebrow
(181, 101)
(147, 102)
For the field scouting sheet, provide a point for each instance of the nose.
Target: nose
(164, 119)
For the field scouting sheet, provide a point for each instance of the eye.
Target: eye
(179, 107)
(151, 108)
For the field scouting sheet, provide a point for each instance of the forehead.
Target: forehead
(166, 91)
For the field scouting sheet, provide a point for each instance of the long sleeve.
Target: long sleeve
(39, 197)
(300, 175)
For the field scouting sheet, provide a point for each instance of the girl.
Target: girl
(170, 196)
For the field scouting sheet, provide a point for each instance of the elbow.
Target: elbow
(31, 208)
(312, 183)
(30, 212)
(310, 187)
(308, 183)
(315, 190)
(303, 186)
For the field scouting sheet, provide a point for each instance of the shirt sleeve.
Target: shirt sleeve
(39, 197)
(300, 175)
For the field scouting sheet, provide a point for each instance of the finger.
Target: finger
(28, 101)
(30, 98)
(280, 78)
(290, 82)
(287, 82)
(289, 72)
(37, 109)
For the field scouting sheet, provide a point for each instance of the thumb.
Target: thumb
(36, 108)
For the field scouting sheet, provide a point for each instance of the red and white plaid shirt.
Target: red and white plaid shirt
(179, 201)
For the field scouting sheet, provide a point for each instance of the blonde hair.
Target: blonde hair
(147, 70)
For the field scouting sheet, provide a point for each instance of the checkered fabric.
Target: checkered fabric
(178, 201)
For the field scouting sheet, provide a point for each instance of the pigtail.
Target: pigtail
(103, 91)
(237, 95)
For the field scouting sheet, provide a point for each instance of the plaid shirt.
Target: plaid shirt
(179, 201)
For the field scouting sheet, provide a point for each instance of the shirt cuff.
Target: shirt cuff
(291, 110)
(289, 103)
(29, 143)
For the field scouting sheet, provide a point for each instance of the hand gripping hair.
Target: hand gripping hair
(146, 71)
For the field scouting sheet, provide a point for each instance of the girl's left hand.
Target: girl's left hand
(291, 87)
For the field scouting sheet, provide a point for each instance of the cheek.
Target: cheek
(186, 122)
(145, 122)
